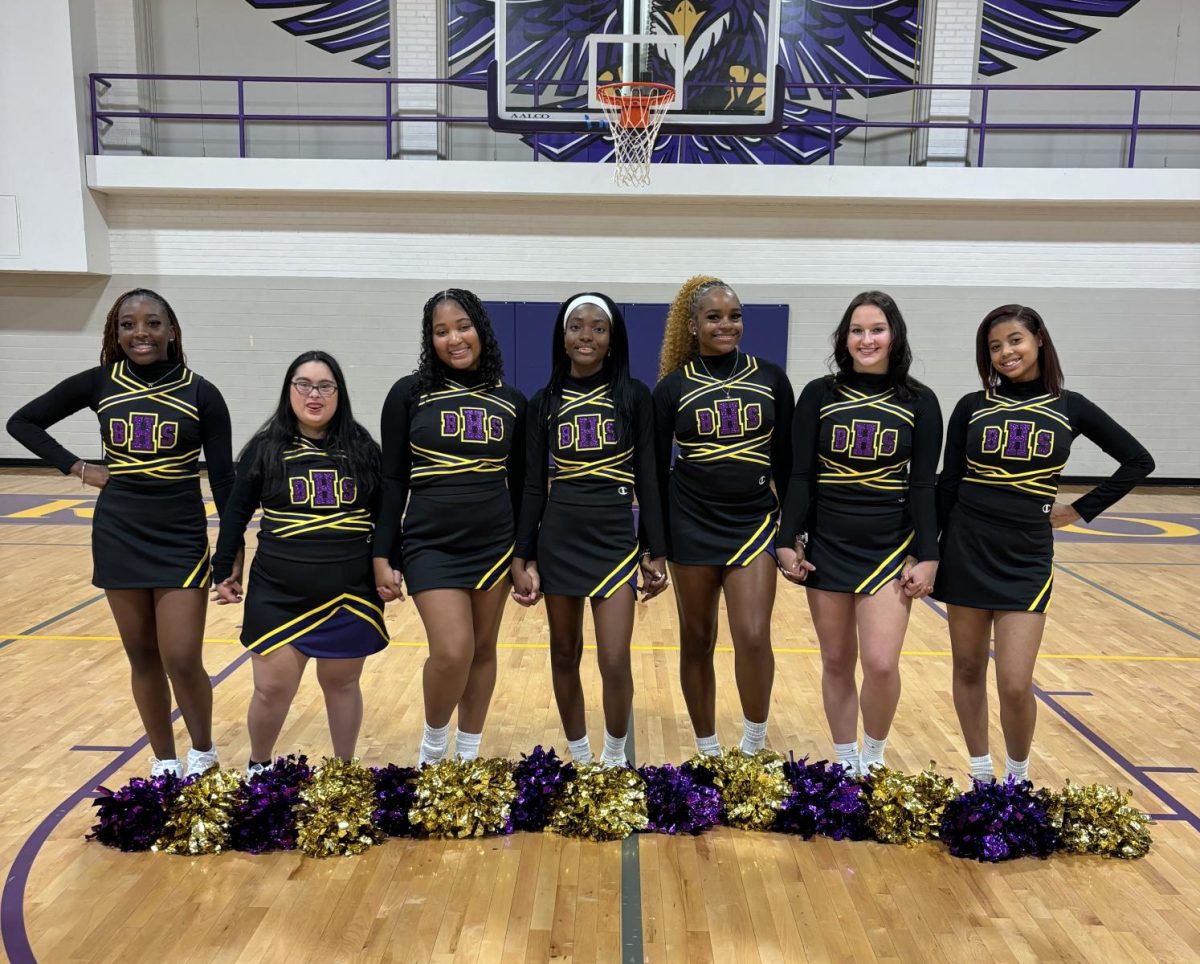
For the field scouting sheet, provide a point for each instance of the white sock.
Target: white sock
(614, 750)
(754, 735)
(872, 752)
(1017, 769)
(434, 743)
(466, 745)
(708, 745)
(981, 768)
(847, 755)
(581, 749)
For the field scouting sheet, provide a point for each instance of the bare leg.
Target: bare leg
(882, 621)
(276, 679)
(750, 599)
(970, 631)
(339, 679)
(837, 634)
(133, 611)
(565, 614)
(697, 591)
(179, 615)
(487, 609)
(449, 626)
(614, 632)
(1018, 639)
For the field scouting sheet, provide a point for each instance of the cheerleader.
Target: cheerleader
(730, 414)
(453, 452)
(596, 424)
(315, 472)
(1005, 449)
(860, 521)
(149, 533)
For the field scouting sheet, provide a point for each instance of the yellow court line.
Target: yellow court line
(791, 651)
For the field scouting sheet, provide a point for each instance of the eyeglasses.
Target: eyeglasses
(304, 387)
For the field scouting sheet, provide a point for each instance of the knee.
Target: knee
(452, 660)
(1014, 691)
(186, 670)
(615, 667)
(970, 672)
(275, 691)
(565, 659)
(337, 683)
(840, 661)
(881, 668)
(698, 641)
(145, 659)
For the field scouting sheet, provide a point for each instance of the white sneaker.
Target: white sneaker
(160, 768)
(255, 769)
(201, 761)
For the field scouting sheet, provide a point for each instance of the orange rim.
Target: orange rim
(635, 109)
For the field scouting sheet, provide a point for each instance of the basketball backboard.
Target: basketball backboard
(721, 56)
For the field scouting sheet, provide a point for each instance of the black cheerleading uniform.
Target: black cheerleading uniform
(583, 535)
(731, 416)
(312, 583)
(864, 467)
(1005, 450)
(149, 530)
(456, 456)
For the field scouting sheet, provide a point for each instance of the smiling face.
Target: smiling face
(869, 340)
(718, 322)
(144, 330)
(1014, 351)
(314, 398)
(455, 338)
(586, 335)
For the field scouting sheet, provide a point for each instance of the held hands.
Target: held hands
(793, 565)
(90, 473)
(239, 565)
(527, 583)
(1063, 515)
(387, 580)
(227, 592)
(916, 579)
(654, 576)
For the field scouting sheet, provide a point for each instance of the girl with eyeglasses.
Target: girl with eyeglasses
(149, 533)
(315, 472)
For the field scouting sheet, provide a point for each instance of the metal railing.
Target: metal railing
(832, 94)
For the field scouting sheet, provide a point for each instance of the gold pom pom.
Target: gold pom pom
(333, 818)
(601, 803)
(906, 809)
(1098, 819)
(201, 815)
(463, 798)
(753, 786)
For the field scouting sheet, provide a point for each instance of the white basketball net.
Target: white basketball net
(635, 113)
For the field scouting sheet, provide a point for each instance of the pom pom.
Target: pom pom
(334, 816)
(395, 790)
(133, 818)
(201, 815)
(539, 777)
(752, 786)
(906, 809)
(824, 800)
(998, 821)
(264, 818)
(1098, 819)
(601, 803)
(464, 798)
(676, 803)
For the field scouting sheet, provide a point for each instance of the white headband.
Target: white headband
(586, 300)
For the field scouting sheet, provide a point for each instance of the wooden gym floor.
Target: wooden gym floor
(1118, 697)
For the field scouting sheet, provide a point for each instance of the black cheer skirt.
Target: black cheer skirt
(859, 548)
(988, 566)
(150, 537)
(457, 541)
(587, 550)
(705, 532)
(326, 609)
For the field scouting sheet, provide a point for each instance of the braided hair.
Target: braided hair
(679, 344)
(431, 371)
(110, 347)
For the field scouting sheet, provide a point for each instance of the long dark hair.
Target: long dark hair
(1031, 321)
(431, 371)
(348, 442)
(899, 353)
(110, 347)
(615, 367)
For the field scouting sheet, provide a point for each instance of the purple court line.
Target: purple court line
(12, 903)
(101, 749)
(1067, 693)
(1138, 773)
(1168, 769)
(53, 619)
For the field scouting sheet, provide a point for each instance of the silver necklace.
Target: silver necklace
(724, 383)
(160, 378)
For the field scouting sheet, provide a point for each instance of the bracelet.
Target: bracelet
(82, 473)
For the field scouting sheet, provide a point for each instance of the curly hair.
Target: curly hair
(110, 347)
(431, 371)
(679, 344)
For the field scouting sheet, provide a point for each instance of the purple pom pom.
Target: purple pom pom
(539, 776)
(677, 803)
(823, 800)
(998, 821)
(395, 789)
(264, 818)
(133, 818)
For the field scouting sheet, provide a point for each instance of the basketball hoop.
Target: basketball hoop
(635, 112)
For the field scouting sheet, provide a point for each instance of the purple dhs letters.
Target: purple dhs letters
(585, 432)
(322, 489)
(1018, 440)
(729, 418)
(142, 433)
(864, 439)
(472, 425)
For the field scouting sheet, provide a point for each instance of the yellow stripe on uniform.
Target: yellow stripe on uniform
(749, 543)
(862, 586)
(1045, 589)
(187, 583)
(482, 584)
(616, 569)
